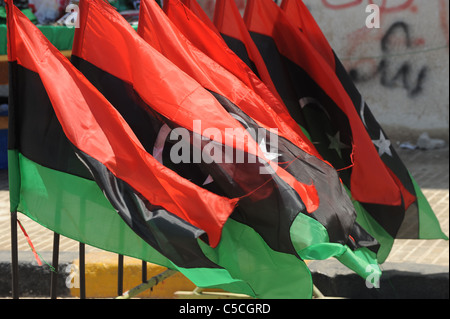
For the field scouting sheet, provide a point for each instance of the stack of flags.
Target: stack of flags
(231, 150)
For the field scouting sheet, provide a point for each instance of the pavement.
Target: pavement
(414, 269)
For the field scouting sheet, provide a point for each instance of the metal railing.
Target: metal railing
(145, 285)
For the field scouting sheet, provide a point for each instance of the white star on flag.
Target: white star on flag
(383, 144)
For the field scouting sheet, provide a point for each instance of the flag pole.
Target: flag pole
(82, 270)
(144, 271)
(55, 261)
(14, 256)
(120, 275)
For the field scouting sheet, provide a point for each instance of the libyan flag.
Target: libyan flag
(322, 98)
(268, 203)
(334, 210)
(78, 168)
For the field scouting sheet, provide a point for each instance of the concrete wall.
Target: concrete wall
(402, 68)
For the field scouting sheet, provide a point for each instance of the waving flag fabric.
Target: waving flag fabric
(197, 10)
(259, 191)
(59, 120)
(331, 112)
(59, 124)
(77, 126)
(101, 139)
(205, 37)
(269, 26)
(163, 147)
(156, 98)
(419, 221)
(232, 176)
(299, 15)
(334, 211)
(231, 26)
(47, 180)
(202, 37)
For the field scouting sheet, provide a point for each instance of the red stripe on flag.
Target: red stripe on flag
(153, 21)
(266, 18)
(215, 48)
(96, 128)
(299, 15)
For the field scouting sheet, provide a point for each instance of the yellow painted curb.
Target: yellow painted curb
(101, 270)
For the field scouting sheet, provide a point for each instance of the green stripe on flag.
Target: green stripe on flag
(271, 274)
(310, 238)
(367, 222)
(76, 208)
(428, 223)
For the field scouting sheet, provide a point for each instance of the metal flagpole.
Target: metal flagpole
(55, 261)
(144, 271)
(120, 275)
(82, 271)
(14, 256)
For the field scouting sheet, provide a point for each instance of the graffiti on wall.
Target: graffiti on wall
(386, 6)
(394, 62)
(391, 72)
(402, 67)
